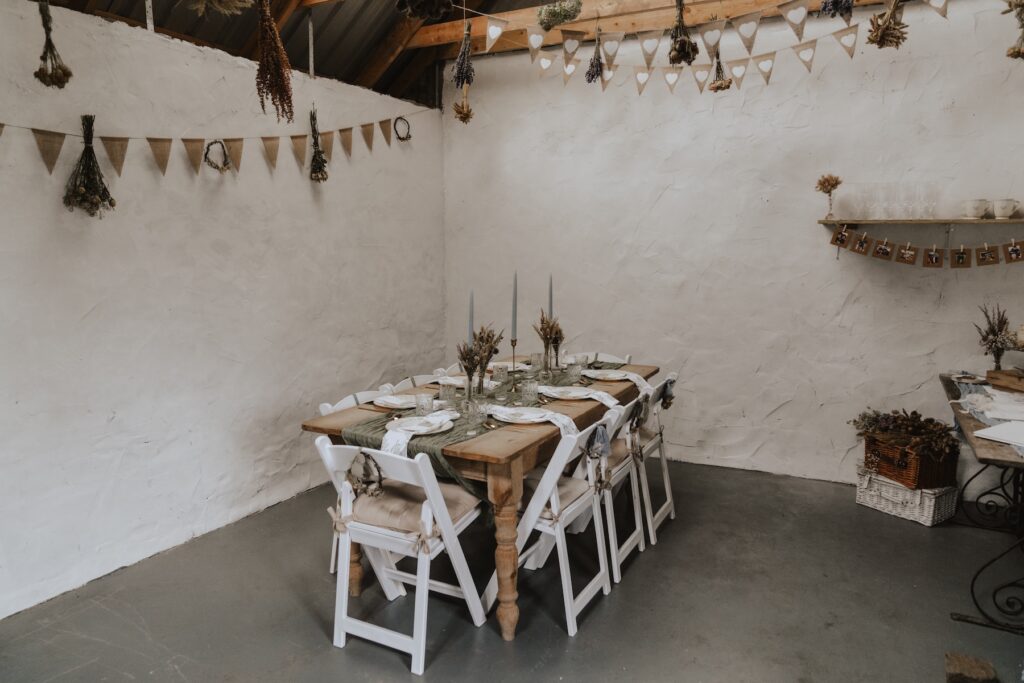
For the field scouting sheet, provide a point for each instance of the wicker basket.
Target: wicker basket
(903, 465)
(924, 506)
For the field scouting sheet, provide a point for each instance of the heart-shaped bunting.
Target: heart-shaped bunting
(701, 73)
(495, 27)
(534, 40)
(610, 43)
(737, 69)
(711, 34)
(765, 64)
(649, 42)
(671, 75)
(747, 26)
(847, 38)
(795, 14)
(805, 52)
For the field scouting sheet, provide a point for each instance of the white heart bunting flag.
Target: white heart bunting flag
(795, 14)
(747, 26)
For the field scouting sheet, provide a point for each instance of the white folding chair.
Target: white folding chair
(386, 388)
(406, 383)
(421, 380)
(453, 370)
(653, 439)
(555, 503)
(591, 356)
(415, 516)
(352, 400)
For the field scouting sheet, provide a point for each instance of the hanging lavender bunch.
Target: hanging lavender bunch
(318, 166)
(86, 189)
(52, 71)
(596, 67)
(682, 48)
(837, 8)
(463, 77)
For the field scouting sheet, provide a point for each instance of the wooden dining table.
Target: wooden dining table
(501, 458)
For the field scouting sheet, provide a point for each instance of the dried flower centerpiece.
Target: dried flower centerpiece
(469, 360)
(827, 184)
(52, 71)
(486, 342)
(1017, 8)
(682, 48)
(463, 77)
(85, 189)
(550, 16)
(995, 337)
(551, 335)
(887, 28)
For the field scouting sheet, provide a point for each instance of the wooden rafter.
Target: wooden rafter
(388, 50)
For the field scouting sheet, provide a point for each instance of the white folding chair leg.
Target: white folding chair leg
(602, 557)
(645, 492)
(381, 561)
(341, 597)
(334, 553)
(539, 557)
(565, 571)
(666, 480)
(637, 512)
(419, 629)
(613, 535)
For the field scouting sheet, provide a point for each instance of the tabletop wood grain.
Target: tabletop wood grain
(987, 452)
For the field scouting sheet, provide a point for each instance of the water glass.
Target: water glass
(528, 388)
(424, 404)
(536, 361)
(500, 374)
(575, 372)
(448, 393)
(474, 412)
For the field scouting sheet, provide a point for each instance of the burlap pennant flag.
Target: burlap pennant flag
(495, 27)
(116, 150)
(345, 137)
(607, 74)
(270, 148)
(701, 74)
(610, 44)
(544, 62)
(49, 144)
(642, 76)
(571, 41)
(711, 34)
(672, 75)
(737, 69)
(847, 38)
(939, 6)
(795, 14)
(367, 130)
(385, 130)
(194, 151)
(234, 147)
(805, 52)
(568, 69)
(299, 149)
(650, 41)
(327, 144)
(765, 64)
(747, 26)
(161, 148)
(534, 40)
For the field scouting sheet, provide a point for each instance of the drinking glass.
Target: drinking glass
(500, 374)
(448, 393)
(529, 390)
(474, 412)
(424, 404)
(536, 361)
(575, 372)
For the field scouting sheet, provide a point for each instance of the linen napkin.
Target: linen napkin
(396, 441)
(642, 384)
(564, 423)
(602, 396)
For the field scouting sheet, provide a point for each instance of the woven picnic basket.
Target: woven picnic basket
(924, 506)
(905, 466)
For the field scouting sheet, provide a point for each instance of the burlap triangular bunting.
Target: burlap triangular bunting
(367, 130)
(534, 40)
(571, 41)
(345, 137)
(299, 149)
(116, 150)
(847, 38)
(805, 52)
(939, 6)
(607, 74)
(649, 43)
(641, 76)
(385, 130)
(737, 69)
(161, 148)
(610, 44)
(701, 74)
(568, 69)
(194, 151)
(672, 74)
(49, 144)
(765, 65)
(711, 34)
(795, 14)
(544, 62)
(234, 146)
(495, 27)
(747, 26)
(327, 144)
(270, 148)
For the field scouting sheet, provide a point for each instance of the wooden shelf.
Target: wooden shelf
(921, 221)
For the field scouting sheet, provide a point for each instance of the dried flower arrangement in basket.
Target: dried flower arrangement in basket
(909, 449)
(550, 16)
(996, 337)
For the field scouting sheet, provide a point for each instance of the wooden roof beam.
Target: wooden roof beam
(387, 51)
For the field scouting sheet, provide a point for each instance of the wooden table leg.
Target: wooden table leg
(355, 569)
(505, 490)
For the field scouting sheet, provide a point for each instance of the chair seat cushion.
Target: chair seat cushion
(569, 489)
(399, 506)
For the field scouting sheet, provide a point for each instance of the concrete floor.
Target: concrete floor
(760, 578)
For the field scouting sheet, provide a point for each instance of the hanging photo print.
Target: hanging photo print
(960, 258)
(934, 258)
(1013, 252)
(882, 250)
(906, 254)
(746, 26)
(841, 237)
(765, 63)
(650, 41)
(987, 256)
(847, 38)
(795, 14)
(861, 244)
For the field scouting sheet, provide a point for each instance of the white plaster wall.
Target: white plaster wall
(681, 227)
(155, 366)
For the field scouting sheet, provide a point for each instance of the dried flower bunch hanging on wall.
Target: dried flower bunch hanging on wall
(318, 166)
(85, 189)
(52, 70)
(463, 77)
(550, 16)
(424, 9)
(274, 74)
(1017, 8)
(596, 67)
(682, 48)
(721, 82)
(887, 28)
(225, 7)
(837, 8)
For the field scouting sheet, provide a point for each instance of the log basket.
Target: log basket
(907, 467)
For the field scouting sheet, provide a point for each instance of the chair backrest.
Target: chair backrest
(659, 393)
(406, 383)
(339, 459)
(347, 402)
(420, 380)
(603, 357)
(547, 489)
(386, 388)
(453, 370)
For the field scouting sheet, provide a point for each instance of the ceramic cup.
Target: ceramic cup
(975, 208)
(1004, 208)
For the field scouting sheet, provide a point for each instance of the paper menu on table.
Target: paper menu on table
(1007, 432)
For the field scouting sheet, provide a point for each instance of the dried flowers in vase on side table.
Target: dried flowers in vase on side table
(995, 337)
(828, 184)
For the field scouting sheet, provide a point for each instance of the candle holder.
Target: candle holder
(512, 370)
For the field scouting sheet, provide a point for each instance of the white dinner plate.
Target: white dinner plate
(420, 425)
(523, 415)
(605, 375)
(396, 401)
(567, 393)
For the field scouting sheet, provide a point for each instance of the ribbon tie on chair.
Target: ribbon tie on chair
(423, 538)
(668, 394)
(340, 522)
(371, 481)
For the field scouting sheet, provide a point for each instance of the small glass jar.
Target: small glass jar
(424, 404)
(529, 391)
